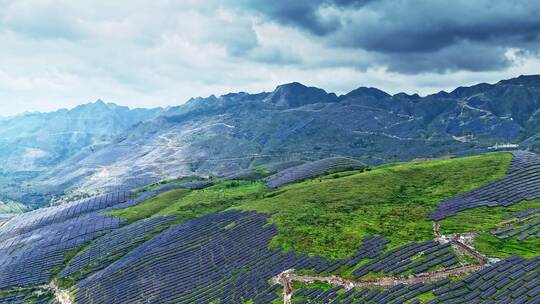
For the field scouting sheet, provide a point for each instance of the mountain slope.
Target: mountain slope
(217, 135)
(368, 236)
(220, 135)
(31, 144)
(45, 139)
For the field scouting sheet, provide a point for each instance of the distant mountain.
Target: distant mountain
(294, 95)
(218, 135)
(31, 144)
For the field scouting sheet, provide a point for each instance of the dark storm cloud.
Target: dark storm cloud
(460, 56)
(426, 26)
(417, 35)
(303, 13)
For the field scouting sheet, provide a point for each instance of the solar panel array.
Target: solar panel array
(253, 174)
(13, 299)
(528, 230)
(106, 249)
(220, 257)
(4, 218)
(225, 257)
(21, 299)
(522, 214)
(312, 169)
(29, 221)
(514, 280)
(525, 224)
(280, 166)
(146, 195)
(29, 258)
(34, 244)
(413, 257)
(521, 183)
(245, 174)
(399, 293)
(196, 185)
(522, 160)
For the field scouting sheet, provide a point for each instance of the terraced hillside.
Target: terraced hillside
(463, 230)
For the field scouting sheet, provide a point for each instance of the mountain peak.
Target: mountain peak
(407, 96)
(367, 92)
(523, 80)
(291, 86)
(98, 105)
(295, 94)
(110, 105)
(471, 90)
(528, 80)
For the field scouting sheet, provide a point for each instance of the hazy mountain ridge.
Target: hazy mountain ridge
(32, 143)
(217, 135)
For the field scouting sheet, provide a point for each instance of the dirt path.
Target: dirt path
(461, 242)
(437, 231)
(61, 296)
(287, 277)
(285, 280)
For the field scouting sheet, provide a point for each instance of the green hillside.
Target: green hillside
(12, 207)
(330, 215)
(484, 219)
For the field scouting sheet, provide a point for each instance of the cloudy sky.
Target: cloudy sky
(62, 53)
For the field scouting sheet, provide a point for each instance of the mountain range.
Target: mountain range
(98, 147)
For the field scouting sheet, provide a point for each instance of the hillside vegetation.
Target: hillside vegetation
(12, 207)
(330, 216)
(482, 220)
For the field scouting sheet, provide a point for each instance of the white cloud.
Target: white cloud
(57, 54)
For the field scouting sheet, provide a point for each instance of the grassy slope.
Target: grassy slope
(186, 204)
(149, 207)
(484, 219)
(330, 216)
(12, 207)
(216, 198)
(177, 181)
